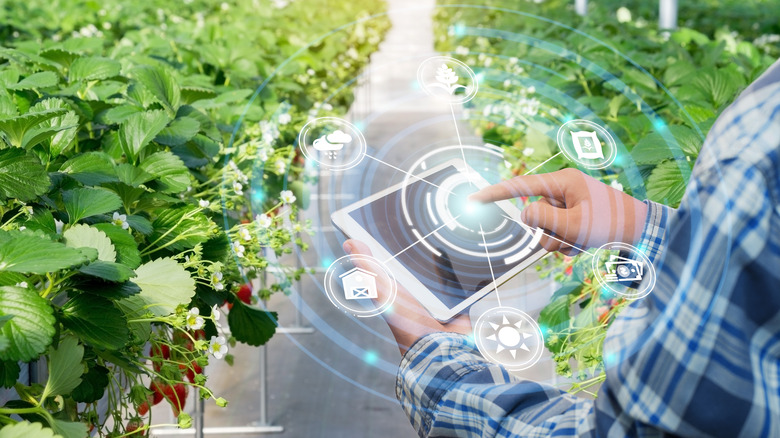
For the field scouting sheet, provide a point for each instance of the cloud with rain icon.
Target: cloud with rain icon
(332, 143)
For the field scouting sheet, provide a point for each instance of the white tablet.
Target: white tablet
(437, 243)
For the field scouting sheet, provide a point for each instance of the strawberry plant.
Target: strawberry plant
(133, 206)
(536, 75)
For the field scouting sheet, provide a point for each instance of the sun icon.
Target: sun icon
(508, 336)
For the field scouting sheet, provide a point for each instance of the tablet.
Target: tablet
(437, 243)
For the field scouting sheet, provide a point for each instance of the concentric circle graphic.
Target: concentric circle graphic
(624, 270)
(332, 143)
(364, 291)
(509, 337)
(448, 79)
(587, 144)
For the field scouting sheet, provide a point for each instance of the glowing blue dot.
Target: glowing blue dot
(480, 77)
(360, 125)
(326, 263)
(659, 124)
(610, 359)
(543, 328)
(370, 357)
(459, 30)
(415, 85)
(607, 292)
(568, 118)
(257, 196)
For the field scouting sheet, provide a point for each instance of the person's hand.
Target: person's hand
(574, 207)
(407, 319)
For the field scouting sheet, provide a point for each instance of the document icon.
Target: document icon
(587, 145)
(359, 284)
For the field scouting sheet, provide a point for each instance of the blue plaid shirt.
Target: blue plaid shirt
(699, 356)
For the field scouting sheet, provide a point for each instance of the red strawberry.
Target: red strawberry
(160, 350)
(569, 270)
(190, 371)
(177, 396)
(143, 408)
(132, 428)
(157, 392)
(245, 294)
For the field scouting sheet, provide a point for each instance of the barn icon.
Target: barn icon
(359, 284)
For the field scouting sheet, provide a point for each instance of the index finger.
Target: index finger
(550, 185)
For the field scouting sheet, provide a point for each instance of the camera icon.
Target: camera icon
(623, 269)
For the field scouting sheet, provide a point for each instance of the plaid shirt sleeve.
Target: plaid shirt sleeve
(699, 356)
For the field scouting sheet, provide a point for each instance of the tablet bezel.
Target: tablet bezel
(344, 222)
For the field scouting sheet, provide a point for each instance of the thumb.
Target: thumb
(356, 247)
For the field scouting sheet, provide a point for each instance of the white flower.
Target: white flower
(58, 224)
(528, 152)
(238, 248)
(224, 6)
(204, 203)
(194, 321)
(280, 4)
(488, 62)
(270, 131)
(244, 233)
(352, 53)
(513, 60)
(531, 89)
(120, 220)
(616, 185)
(215, 313)
(507, 83)
(287, 196)
(22, 284)
(310, 72)
(216, 281)
(280, 166)
(263, 220)
(218, 347)
(238, 188)
(324, 85)
(510, 122)
(297, 228)
(284, 118)
(262, 155)
(623, 15)
(554, 112)
(461, 50)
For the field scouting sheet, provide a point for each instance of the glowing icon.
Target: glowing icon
(359, 284)
(623, 269)
(332, 143)
(447, 79)
(587, 145)
(510, 337)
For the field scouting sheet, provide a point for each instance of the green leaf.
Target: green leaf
(58, 132)
(116, 272)
(27, 253)
(91, 168)
(80, 236)
(93, 385)
(178, 132)
(91, 68)
(31, 329)
(15, 128)
(42, 79)
(65, 367)
(654, 148)
(86, 202)
(126, 247)
(25, 429)
(667, 182)
(556, 315)
(162, 86)
(132, 176)
(193, 94)
(21, 175)
(171, 173)
(164, 285)
(9, 372)
(95, 320)
(112, 291)
(182, 225)
(69, 429)
(251, 325)
(120, 113)
(134, 308)
(139, 129)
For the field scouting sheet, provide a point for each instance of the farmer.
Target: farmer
(698, 356)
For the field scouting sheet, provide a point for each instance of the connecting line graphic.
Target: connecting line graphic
(490, 264)
(550, 236)
(424, 237)
(545, 162)
(410, 174)
(462, 151)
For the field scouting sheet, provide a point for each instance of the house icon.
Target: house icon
(359, 284)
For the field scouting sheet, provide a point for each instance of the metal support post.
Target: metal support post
(667, 14)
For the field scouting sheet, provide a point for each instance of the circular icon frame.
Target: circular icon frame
(571, 153)
(504, 330)
(308, 148)
(449, 79)
(646, 286)
(334, 298)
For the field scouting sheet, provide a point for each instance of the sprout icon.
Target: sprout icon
(447, 79)
(332, 143)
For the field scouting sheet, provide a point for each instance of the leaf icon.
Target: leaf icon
(447, 79)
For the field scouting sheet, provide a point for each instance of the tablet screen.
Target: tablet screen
(441, 238)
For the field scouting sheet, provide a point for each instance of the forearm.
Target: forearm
(448, 389)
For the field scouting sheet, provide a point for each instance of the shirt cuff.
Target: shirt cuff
(429, 369)
(652, 243)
